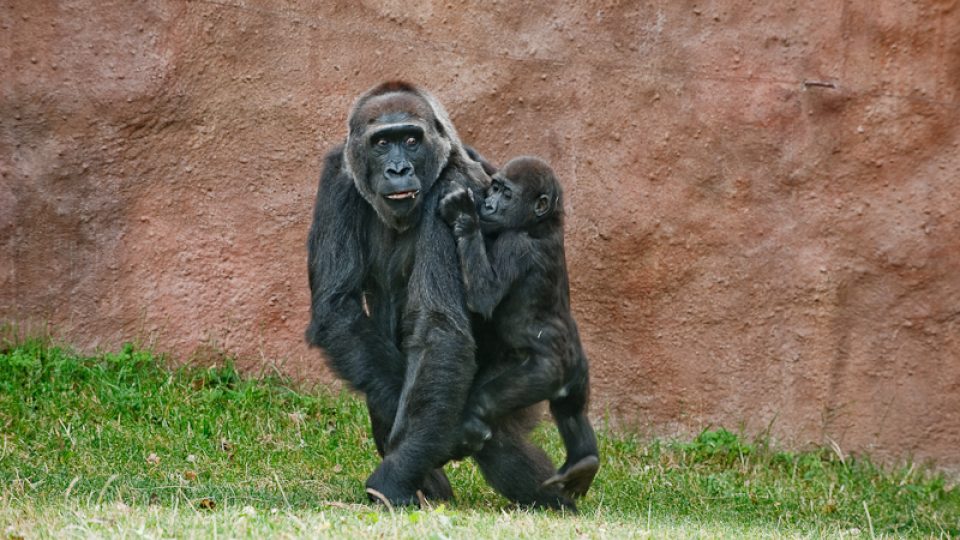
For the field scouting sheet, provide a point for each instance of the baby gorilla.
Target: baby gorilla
(515, 276)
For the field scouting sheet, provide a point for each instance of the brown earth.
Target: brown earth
(763, 198)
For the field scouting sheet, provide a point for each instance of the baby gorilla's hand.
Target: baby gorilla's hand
(458, 209)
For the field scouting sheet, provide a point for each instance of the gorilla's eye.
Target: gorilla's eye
(495, 187)
(411, 141)
(381, 142)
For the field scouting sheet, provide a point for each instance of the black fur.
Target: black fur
(512, 262)
(387, 302)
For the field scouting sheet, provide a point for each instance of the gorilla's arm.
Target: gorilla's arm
(487, 277)
(488, 167)
(356, 350)
(440, 356)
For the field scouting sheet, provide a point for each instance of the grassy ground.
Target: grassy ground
(119, 445)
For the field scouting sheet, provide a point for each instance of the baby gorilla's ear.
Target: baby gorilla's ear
(542, 206)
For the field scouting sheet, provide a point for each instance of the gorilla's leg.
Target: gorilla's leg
(576, 475)
(435, 485)
(440, 369)
(517, 469)
(536, 379)
(380, 428)
(539, 378)
(570, 414)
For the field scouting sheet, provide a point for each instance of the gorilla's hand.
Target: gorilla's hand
(476, 427)
(475, 433)
(459, 210)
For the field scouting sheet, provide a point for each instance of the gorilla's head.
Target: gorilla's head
(399, 140)
(524, 193)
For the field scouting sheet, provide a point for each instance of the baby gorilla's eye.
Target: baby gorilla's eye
(411, 141)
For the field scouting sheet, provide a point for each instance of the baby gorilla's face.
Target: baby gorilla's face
(504, 206)
(524, 192)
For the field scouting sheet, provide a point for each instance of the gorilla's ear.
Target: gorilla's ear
(542, 206)
(439, 127)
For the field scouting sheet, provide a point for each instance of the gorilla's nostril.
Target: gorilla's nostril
(399, 170)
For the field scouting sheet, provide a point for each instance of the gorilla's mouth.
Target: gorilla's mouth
(401, 195)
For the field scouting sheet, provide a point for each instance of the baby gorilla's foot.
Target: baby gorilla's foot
(575, 480)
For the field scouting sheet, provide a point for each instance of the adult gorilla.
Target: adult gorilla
(387, 301)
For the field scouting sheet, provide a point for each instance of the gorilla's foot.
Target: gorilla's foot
(384, 487)
(576, 479)
(436, 486)
(552, 498)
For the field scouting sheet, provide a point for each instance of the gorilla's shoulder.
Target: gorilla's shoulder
(334, 158)
(333, 169)
(336, 186)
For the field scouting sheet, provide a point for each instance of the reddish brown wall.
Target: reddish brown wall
(744, 248)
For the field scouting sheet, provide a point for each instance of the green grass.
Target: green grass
(121, 445)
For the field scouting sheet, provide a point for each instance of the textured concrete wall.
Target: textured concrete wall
(763, 197)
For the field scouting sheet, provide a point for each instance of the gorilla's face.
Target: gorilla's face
(396, 149)
(511, 204)
(396, 162)
(503, 207)
(524, 192)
